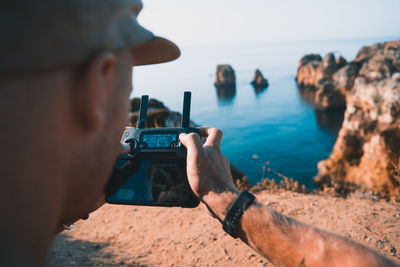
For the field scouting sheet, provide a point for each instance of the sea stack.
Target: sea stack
(225, 81)
(225, 76)
(367, 151)
(258, 80)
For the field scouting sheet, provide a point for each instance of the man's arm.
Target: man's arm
(282, 240)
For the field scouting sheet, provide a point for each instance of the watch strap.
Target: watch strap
(235, 212)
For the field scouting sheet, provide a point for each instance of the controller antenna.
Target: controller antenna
(143, 112)
(186, 109)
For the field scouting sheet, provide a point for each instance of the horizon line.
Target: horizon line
(390, 38)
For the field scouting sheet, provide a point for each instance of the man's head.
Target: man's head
(70, 121)
(61, 33)
(65, 81)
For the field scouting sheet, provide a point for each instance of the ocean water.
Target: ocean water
(279, 124)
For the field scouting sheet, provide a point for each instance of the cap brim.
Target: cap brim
(156, 50)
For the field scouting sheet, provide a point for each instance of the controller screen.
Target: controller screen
(159, 140)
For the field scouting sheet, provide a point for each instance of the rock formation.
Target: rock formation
(258, 80)
(366, 153)
(225, 82)
(317, 75)
(225, 76)
(158, 115)
(152, 104)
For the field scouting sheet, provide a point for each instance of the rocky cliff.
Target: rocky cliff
(366, 153)
(321, 76)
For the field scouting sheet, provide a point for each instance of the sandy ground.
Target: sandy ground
(151, 236)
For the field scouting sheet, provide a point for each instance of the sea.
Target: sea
(266, 132)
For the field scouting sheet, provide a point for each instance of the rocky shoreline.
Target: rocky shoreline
(366, 154)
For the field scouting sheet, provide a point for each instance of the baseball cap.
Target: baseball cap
(39, 34)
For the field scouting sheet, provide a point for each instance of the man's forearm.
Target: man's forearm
(286, 242)
(282, 240)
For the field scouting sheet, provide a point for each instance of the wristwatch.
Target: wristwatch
(235, 212)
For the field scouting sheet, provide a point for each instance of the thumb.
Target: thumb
(193, 145)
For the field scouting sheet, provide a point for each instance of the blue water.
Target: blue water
(278, 124)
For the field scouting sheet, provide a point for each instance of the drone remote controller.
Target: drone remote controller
(154, 171)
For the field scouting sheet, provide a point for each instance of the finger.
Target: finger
(193, 145)
(214, 138)
(203, 131)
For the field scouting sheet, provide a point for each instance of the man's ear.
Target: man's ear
(92, 89)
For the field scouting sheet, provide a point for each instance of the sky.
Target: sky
(200, 22)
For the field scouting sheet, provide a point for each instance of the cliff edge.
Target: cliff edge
(366, 152)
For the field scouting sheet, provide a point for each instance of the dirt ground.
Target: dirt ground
(151, 236)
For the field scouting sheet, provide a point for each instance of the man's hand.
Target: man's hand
(209, 171)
